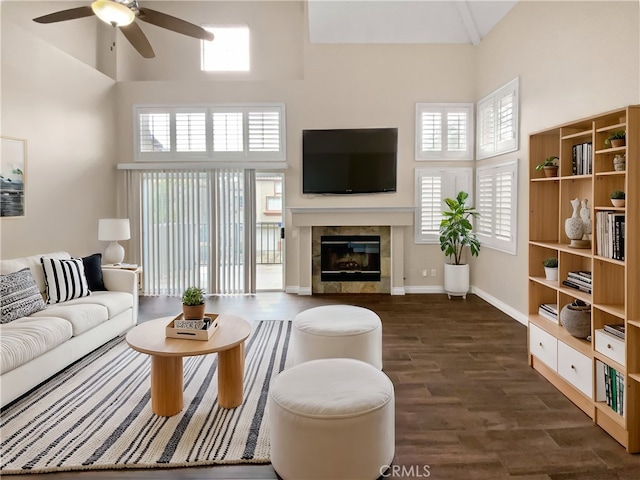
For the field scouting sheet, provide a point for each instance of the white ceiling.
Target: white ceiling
(404, 21)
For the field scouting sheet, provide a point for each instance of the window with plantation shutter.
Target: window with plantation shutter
(215, 133)
(433, 185)
(264, 131)
(497, 121)
(497, 195)
(228, 132)
(191, 132)
(444, 131)
(154, 131)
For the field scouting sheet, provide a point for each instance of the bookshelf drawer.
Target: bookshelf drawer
(575, 368)
(544, 346)
(610, 346)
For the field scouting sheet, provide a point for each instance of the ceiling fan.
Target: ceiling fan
(122, 14)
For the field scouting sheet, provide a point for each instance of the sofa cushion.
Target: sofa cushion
(65, 279)
(81, 317)
(114, 302)
(27, 338)
(33, 262)
(93, 272)
(19, 295)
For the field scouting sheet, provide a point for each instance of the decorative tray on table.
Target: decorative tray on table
(193, 329)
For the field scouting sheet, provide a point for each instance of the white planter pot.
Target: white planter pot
(551, 273)
(456, 280)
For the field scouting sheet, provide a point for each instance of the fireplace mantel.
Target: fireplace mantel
(398, 218)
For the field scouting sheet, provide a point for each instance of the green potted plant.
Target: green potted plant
(456, 234)
(550, 268)
(549, 166)
(618, 198)
(616, 139)
(193, 303)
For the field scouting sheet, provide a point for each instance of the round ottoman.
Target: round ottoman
(331, 419)
(337, 331)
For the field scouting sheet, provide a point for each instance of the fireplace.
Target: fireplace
(350, 258)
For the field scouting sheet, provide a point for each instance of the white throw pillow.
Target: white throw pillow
(65, 279)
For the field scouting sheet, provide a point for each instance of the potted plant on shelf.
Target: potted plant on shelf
(618, 198)
(549, 166)
(193, 303)
(456, 234)
(616, 139)
(550, 268)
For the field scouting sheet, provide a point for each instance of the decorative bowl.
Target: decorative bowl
(576, 320)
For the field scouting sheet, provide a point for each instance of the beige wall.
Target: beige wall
(64, 109)
(562, 52)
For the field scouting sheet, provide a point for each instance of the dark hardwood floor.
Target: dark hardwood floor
(468, 406)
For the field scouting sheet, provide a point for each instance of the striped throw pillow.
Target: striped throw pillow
(65, 279)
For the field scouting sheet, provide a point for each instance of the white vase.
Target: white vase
(574, 227)
(456, 280)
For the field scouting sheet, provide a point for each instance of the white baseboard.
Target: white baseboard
(304, 291)
(425, 289)
(291, 289)
(398, 291)
(500, 305)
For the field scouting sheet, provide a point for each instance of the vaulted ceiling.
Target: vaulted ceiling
(404, 21)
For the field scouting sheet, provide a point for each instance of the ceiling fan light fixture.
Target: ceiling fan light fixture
(113, 13)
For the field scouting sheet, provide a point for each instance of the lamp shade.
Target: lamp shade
(113, 229)
(113, 13)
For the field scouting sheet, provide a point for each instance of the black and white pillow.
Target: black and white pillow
(19, 295)
(65, 279)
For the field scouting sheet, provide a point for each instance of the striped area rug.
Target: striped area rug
(97, 413)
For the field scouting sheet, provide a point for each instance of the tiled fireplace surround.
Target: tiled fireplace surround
(388, 222)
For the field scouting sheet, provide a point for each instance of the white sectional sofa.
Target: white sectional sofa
(35, 347)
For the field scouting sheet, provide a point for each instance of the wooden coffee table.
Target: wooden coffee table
(166, 360)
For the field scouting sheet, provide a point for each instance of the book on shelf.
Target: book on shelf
(548, 315)
(579, 282)
(580, 277)
(613, 388)
(550, 307)
(610, 234)
(617, 330)
(582, 159)
(570, 284)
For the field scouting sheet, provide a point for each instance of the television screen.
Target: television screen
(349, 161)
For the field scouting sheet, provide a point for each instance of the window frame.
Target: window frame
(488, 106)
(444, 153)
(210, 155)
(491, 240)
(453, 182)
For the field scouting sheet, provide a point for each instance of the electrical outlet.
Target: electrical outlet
(424, 272)
(433, 272)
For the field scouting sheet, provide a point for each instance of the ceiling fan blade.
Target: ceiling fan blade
(63, 15)
(174, 24)
(138, 39)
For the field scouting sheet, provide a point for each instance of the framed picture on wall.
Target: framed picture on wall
(13, 165)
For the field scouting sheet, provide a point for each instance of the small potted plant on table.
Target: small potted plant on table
(549, 166)
(618, 198)
(550, 268)
(193, 303)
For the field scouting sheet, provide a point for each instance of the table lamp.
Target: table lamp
(112, 230)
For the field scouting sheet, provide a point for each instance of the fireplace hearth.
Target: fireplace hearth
(350, 258)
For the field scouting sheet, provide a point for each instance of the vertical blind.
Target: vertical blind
(194, 231)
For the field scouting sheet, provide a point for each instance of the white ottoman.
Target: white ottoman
(337, 331)
(331, 419)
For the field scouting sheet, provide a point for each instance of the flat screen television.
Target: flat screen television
(347, 161)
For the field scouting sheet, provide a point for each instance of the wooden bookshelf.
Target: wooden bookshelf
(615, 283)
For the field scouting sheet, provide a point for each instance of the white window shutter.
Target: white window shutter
(497, 120)
(444, 131)
(191, 132)
(228, 132)
(497, 195)
(264, 131)
(154, 131)
(433, 185)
